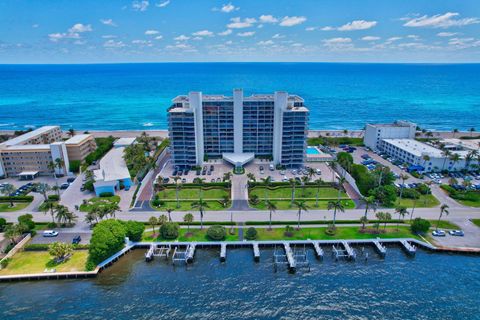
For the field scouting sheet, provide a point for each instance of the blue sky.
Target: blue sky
(87, 31)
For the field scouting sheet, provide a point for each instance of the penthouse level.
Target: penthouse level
(238, 128)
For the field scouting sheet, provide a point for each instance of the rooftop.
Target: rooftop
(112, 166)
(26, 147)
(124, 142)
(415, 147)
(398, 123)
(29, 135)
(78, 139)
(472, 144)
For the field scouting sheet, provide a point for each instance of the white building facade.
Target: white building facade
(375, 133)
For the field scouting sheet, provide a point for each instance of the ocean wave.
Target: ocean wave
(148, 124)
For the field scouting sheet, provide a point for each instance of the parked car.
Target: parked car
(318, 171)
(457, 233)
(50, 233)
(64, 185)
(271, 167)
(174, 173)
(184, 180)
(186, 172)
(438, 233)
(282, 172)
(82, 188)
(165, 180)
(71, 179)
(211, 167)
(76, 240)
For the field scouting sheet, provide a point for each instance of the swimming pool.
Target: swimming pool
(313, 150)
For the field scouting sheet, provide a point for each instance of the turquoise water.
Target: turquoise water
(312, 150)
(429, 286)
(339, 95)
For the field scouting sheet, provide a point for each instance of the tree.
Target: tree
(27, 221)
(266, 183)
(420, 225)
(60, 250)
(177, 189)
(71, 132)
(153, 221)
(319, 183)
(341, 181)
(443, 210)
(472, 130)
(455, 131)
(216, 233)
(335, 205)
(188, 219)
(64, 215)
(49, 206)
(13, 231)
(387, 217)
(200, 182)
(251, 233)
(380, 216)
(301, 206)
(108, 237)
(162, 219)
(271, 208)
(43, 189)
(293, 183)
(251, 177)
(134, 230)
(227, 176)
(201, 206)
(7, 190)
(305, 180)
(404, 178)
(169, 213)
(370, 203)
(60, 164)
(169, 230)
(364, 221)
(401, 211)
(446, 154)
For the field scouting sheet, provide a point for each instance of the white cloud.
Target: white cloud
(181, 38)
(246, 34)
(183, 46)
(297, 44)
(292, 21)
(237, 23)
(151, 32)
(228, 8)
(162, 4)
(327, 28)
(357, 25)
(158, 37)
(265, 43)
(225, 33)
(36, 25)
(79, 28)
(140, 5)
(370, 38)
(108, 22)
(394, 39)
(414, 37)
(113, 44)
(268, 19)
(446, 34)
(109, 36)
(445, 20)
(59, 36)
(79, 42)
(336, 41)
(278, 36)
(311, 28)
(143, 43)
(203, 33)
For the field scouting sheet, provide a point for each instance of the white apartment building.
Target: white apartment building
(374, 133)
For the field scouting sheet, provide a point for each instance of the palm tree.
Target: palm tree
(364, 221)
(335, 205)
(153, 221)
(60, 164)
(454, 158)
(341, 181)
(177, 189)
(387, 217)
(251, 177)
(162, 220)
(112, 208)
(56, 189)
(331, 165)
(7, 190)
(305, 180)
(51, 166)
(455, 131)
(301, 206)
(43, 189)
(414, 200)
(201, 206)
(370, 202)
(71, 132)
(469, 157)
(49, 206)
(188, 219)
(443, 210)
(266, 182)
(227, 176)
(271, 208)
(62, 213)
(319, 183)
(401, 211)
(404, 178)
(293, 183)
(200, 182)
(158, 184)
(446, 154)
(311, 172)
(169, 213)
(472, 130)
(425, 158)
(380, 216)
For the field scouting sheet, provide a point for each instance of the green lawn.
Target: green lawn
(5, 207)
(194, 193)
(186, 205)
(342, 233)
(38, 261)
(194, 235)
(467, 198)
(285, 204)
(98, 201)
(444, 224)
(476, 222)
(285, 192)
(425, 201)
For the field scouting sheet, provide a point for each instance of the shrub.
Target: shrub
(5, 262)
(216, 233)
(410, 194)
(420, 225)
(103, 146)
(51, 225)
(3, 223)
(53, 197)
(88, 185)
(169, 230)
(288, 231)
(134, 230)
(27, 220)
(108, 237)
(251, 233)
(423, 189)
(16, 198)
(105, 195)
(75, 166)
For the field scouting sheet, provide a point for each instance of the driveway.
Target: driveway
(471, 238)
(62, 237)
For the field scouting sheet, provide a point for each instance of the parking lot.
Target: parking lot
(63, 236)
(212, 171)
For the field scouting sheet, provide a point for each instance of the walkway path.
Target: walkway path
(239, 193)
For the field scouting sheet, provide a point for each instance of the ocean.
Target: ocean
(339, 95)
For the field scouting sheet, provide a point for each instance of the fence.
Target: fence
(17, 248)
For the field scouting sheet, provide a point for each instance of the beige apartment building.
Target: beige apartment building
(30, 154)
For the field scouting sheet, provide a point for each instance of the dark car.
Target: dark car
(64, 185)
(186, 172)
(70, 180)
(211, 167)
(165, 180)
(174, 173)
(76, 240)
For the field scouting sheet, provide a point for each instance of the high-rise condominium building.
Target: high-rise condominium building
(238, 128)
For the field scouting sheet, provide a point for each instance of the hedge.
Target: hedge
(196, 185)
(44, 247)
(53, 197)
(16, 198)
(205, 223)
(326, 222)
(103, 146)
(283, 184)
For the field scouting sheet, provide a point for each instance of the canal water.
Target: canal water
(429, 286)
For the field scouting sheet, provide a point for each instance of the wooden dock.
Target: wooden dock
(223, 252)
(381, 249)
(350, 252)
(256, 252)
(410, 249)
(318, 249)
(291, 260)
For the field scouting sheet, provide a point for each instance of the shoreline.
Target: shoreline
(163, 133)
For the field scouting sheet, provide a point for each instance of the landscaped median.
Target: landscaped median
(281, 195)
(14, 203)
(89, 204)
(181, 197)
(470, 198)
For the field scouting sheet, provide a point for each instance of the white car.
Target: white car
(50, 233)
(318, 171)
(285, 179)
(438, 233)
